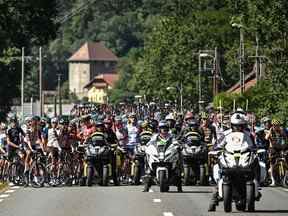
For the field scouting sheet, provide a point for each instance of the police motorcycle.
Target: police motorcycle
(194, 159)
(98, 159)
(238, 162)
(138, 164)
(163, 159)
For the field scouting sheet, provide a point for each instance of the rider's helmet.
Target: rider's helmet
(99, 125)
(238, 122)
(163, 125)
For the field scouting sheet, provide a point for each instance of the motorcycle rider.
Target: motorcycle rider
(171, 123)
(162, 135)
(238, 124)
(277, 138)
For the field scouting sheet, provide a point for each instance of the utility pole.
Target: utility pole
(242, 59)
(40, 81)
(199, 82)
(216, 74)
(22, 83)
(59, 94)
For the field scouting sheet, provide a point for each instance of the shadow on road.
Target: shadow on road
(272, 211)
(192, 192)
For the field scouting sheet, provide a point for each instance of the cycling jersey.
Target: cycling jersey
(14, 135)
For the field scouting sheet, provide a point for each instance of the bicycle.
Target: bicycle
(37, 172)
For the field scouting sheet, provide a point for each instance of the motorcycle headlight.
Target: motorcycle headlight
(161, 156)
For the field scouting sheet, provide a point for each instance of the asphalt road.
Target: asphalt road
(126, 201)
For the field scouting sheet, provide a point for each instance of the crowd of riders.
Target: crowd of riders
(62, 144)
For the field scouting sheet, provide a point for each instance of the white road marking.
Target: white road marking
(4, 195)
(15, 187)
(285, 189)
(1, 200)
(10, 191)
(11, 184)
(157, 200)
(151, 191)
(168, 214)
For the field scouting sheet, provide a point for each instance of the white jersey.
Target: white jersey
(53, 135)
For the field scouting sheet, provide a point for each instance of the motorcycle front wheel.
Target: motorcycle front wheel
(163, 181)
(227, 197)
(250, 197)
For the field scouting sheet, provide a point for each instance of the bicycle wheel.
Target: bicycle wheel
(37, 175)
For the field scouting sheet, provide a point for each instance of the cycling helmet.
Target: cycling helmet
(204, 115)
(276, 122)
(132, 115)
(118, 119)
(189, 115)
(63, 121)
(193, 123)
(266, 119)
(107, 121)
(54, 120)
(36, 118)
(13, 119)
(28, 119)
(170, 116)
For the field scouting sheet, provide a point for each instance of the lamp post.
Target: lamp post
(180, 90)
(202, 54)
(241, 57)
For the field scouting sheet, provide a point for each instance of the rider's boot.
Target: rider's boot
(179, 184)
(214, 201)
(147, 183)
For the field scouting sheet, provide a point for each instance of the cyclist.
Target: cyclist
(277, 138)
(34, 142)
(15, 137)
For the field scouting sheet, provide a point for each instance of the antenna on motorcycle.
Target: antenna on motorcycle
(247, 103)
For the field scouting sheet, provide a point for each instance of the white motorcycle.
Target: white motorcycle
(163, 159)
(238, 183)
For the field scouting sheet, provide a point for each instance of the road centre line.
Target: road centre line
(4, 195)
(168, 214)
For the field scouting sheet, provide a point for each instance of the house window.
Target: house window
(107, 64)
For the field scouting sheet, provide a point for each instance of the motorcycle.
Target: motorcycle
(238, 183)
(194, 161)
(98, 159)
(138, 164)
(163, 162)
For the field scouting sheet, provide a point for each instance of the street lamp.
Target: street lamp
(202, 54)
(180, 90)
(241, 56)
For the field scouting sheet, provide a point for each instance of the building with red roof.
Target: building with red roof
(92, 59)
(99, 86)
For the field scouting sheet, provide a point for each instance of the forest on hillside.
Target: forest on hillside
(157, 42)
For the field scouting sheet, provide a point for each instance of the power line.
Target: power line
(74, 12)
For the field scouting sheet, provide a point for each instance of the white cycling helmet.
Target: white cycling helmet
(170, 116)
(238, 119)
